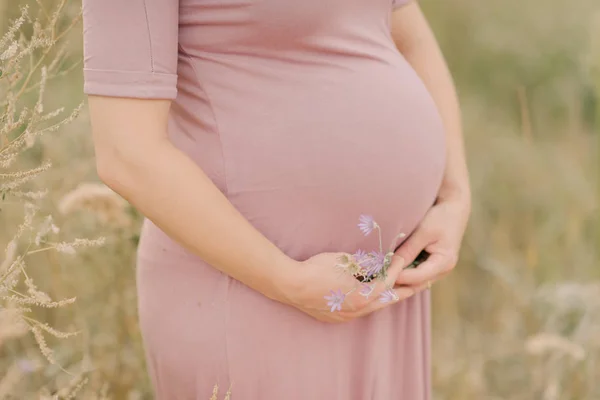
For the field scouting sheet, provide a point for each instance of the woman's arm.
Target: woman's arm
(440, 233)
(130, 75)
(136, 159)
(415, 40)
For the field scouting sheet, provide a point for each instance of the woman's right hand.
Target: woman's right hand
(316, 277)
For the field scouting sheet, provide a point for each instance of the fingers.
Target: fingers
(381, 286)
(402, 293)
(370, 297)
(378, 299)
(373, 304)
(419, 288)
(431, 269)
(360, 302)
(410, 249)
(394, 270)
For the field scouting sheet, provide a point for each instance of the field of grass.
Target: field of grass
(519, 319)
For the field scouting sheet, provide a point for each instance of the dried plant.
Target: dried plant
(28, 60)
(99, 199)
(215, 393)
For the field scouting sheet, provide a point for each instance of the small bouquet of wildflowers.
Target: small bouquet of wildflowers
(367, 267)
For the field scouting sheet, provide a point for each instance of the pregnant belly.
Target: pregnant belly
(306, 156)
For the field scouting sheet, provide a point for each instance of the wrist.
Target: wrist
(455, 191)
(460, 195)
(283, 279)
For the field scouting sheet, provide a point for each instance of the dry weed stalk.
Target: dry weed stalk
(215, 393)
(108, 206)
(28, 60)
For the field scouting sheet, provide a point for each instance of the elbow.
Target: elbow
(112, 169)
(109, 174)
(127, 134)
(127, 166)
(409, 46)
(106, 172)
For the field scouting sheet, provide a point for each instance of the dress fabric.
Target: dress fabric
(305, 115)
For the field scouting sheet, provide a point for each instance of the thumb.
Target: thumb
(410, 249)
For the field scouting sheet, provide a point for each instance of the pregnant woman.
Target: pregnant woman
(252, 134)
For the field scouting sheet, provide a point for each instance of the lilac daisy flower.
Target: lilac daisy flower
(359, 256)
(366, 224)
(388, 295)
(366, 290)
(335, 300)
(374, 263)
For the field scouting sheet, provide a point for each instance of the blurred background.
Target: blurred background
(519, 319)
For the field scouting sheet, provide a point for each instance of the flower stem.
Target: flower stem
(398, 236)
(380, 240)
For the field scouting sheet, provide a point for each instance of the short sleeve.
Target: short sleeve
(130, 48)
(398, 3)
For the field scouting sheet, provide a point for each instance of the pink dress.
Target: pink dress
(305, 115)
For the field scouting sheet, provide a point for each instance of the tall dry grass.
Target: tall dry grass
(518, 319)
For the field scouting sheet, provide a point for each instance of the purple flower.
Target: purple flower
(335, 300)
(366, 224)
(359, 256)
(374, 263)
(388, 295)
(366, 290)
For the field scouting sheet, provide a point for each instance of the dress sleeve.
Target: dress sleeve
(398, 3)
(130, 48)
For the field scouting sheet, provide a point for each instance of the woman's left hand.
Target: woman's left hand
(440, 234)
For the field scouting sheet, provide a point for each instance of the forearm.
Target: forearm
(173, 192)
(418, 45)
